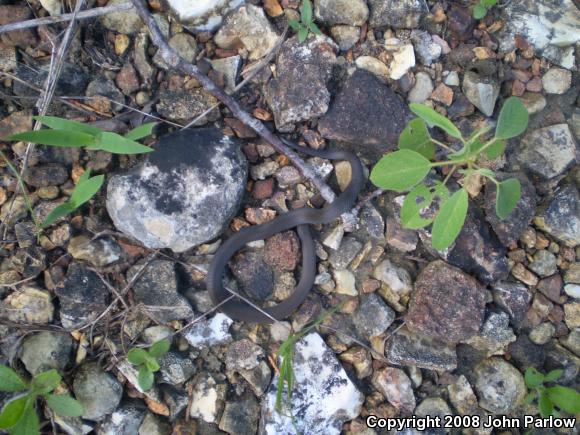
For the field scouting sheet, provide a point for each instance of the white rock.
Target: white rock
(422, 89)
(403, 58)
(482, 92)
(53, 7)
(205, 400)
(210, 332)
(372, 64)
(397, 278)
(203, 15)
(572, 290)
(557, 81)
(452, 79)
(250, 27)
(323, 398)
(534, 102)
(345, 282)
(397, 388)
(427, 50)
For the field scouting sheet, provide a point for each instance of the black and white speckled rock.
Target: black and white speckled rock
(547, 152)
(398, 14)
(323, 398)
(562, 217)
(82, 298)
(124, 421)
(310, 64)
(373, 316)
(500, 386)
(211, 332)
(98, 391)
(184, 194)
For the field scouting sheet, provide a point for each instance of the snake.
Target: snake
(301, 219)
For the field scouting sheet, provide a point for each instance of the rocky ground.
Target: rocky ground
(421, 332)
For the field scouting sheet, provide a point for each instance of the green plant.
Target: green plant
(481, 8)
(551, 397)
(66, 133)
(405, 170)
(286, 355)
(19, 415)
(306, 22)
(147, 361)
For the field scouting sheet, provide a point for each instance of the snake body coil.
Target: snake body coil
(300, 218)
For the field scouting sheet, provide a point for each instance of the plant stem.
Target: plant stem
(451, 162)
(487, 145)
(442, 145)
(450, 174)
(24, 190)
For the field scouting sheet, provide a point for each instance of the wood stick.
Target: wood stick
(174, 61)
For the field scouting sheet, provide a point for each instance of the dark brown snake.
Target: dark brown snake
(301, 219)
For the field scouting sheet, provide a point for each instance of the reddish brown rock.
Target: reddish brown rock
(443, 94)
(534, 85)
(18, 38)
(282, 251)
(260, 215)
(446, 304)
(551, 287)
(263, 189)
(127, 79)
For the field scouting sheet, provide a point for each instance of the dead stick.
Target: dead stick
(177, 63)
(91, 13)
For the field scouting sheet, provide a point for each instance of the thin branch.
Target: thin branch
(175, 62)
(91, 13)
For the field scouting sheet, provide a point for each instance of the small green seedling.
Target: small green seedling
(147, 361)
(72, 134)
(19, 416)
(286, 355)
(405, 169)
(481, 8)
(86, 188)
(551, 397)
(65, 133)
(306, 23)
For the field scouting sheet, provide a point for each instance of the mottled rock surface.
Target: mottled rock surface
(562, 217)
(447, 304)
(323, 398)
(500, 386)
(181, 196)
(203, 15)
(98, 392)
(309, 64)
(398, 14)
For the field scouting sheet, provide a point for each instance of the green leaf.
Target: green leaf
(85, 190)
(117, 144)
(488, 3)
(513, 119)
(545, 404)
(533, 377)
(137, 356)
(45, 382)
(10, 381)
(64, 405)
(496, 149)
(280, 384)
(416, 137)
(306, 12)
(57, 123)
(567, 399)
(530, 397)
(314, 28)
(479, 11)
(553, 375)
(431, 117)
(449, 221)
(57, 138)
(57, 213)
(159, 348)
(85, 176)
(29, 423)
(142, 131)
(400, 170)
(152, 364)
(416, 200)
(13, 411)
(302, 34)
(294, 24)
(145, 378)
(507, 196)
